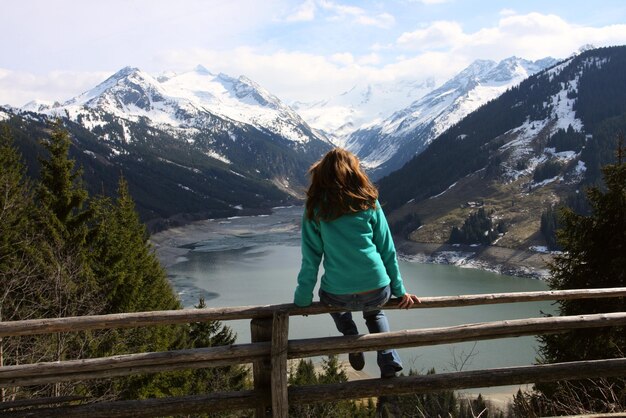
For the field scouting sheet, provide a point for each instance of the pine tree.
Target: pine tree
(304, 374)
(213, 334)
(477, 229)
(332, 372)
(474, 408)
(440, 404)
(16, 231)
(549, 226)
(128, 272)
(61, 191)
(61, 196)
(67, 279)
(20, 261)
(130, 279)
(594, 257)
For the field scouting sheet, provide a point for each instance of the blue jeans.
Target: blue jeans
(375, 318)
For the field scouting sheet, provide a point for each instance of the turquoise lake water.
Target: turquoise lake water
(255, 261)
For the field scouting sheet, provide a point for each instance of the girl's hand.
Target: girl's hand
(408, 300)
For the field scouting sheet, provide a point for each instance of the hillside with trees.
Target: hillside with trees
(171, 181)
(65, 252)
(538, 145)
(593, 256)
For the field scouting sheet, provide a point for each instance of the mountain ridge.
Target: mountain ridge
(220, 145)
(537, 145)
(385, 147)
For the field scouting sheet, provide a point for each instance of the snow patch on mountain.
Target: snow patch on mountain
(362, 105)
(523, 146)
(563, 107)
(388, 145)
(190, 100)
(39, 106)
(218, 156)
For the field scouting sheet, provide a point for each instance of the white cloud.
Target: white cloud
(340, 9)
(436, 50)
(343, 58)
(18, 88)
(536, 35)
(507, 12)
(299, 76)
(532, 36)
(370, 59)
(383, 20)
(305, 12)
(439, 34)
(336, 12)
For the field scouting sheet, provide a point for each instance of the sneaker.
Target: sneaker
(388, 371)
(357, 360)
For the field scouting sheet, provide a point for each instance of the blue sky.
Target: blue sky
(298, 49)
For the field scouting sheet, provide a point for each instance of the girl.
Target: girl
(344, 223)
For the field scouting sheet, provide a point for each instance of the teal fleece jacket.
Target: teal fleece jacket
(358, 254)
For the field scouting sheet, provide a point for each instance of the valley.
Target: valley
(197, 145)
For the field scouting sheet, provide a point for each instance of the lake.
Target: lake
(255, 261)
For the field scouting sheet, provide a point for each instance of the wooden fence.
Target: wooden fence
(271, 348)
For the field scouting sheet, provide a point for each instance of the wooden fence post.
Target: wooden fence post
(280, 339)
(261, 331)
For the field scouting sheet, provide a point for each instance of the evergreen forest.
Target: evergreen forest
(64, 252)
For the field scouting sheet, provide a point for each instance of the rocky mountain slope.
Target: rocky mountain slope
(536, 145)
(387, 146)
(200, 143)
(362, 105)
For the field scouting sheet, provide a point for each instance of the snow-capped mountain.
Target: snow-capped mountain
(539, 144)
(185, 101)
(387, 146)
(39, 106)
(191, 143)
(362, 104)
(231, 120)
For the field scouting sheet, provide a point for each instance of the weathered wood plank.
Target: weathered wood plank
(127, 364)
(73, 370)
(216, 402)
(454, 334)
(261, 331)
(458, 380)
(334, 392)
(280, 340)
(24, 403)
(136, 319)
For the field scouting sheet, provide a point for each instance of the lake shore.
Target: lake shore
(268, 275)
(496, 259)
(170, 245)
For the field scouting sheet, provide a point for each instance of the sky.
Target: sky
(300, 50)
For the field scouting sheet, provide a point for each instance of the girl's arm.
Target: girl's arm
(312, 250)
(384, 244)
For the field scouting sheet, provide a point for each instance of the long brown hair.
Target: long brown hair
(338, 186)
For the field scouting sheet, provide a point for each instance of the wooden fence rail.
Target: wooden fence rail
(270, 349)
(122, 365)
(216, 402)
(183, 316)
